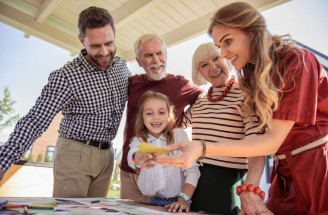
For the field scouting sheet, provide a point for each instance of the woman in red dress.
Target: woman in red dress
(288, 89)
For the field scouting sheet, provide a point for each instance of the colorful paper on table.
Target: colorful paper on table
(148, 149)
(2, 202)
(80, 206)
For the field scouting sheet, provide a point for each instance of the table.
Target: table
(33, 205)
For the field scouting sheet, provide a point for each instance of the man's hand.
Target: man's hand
(2, 173)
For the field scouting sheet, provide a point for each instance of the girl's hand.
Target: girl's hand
(145, 160)
(192, 150)
(178, 206)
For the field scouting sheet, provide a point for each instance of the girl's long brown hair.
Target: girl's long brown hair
(141, 130)
(262, 81)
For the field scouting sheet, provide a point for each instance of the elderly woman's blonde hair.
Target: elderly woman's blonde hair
(203, 51)
(145, 38)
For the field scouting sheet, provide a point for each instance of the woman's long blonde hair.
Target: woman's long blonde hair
(261, 81)
(141, 130)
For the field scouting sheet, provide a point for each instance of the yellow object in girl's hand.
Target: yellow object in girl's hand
(149, 149)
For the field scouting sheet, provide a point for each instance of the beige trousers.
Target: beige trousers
(129, 187)
(81, 170)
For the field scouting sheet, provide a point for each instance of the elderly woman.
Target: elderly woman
(217, 115)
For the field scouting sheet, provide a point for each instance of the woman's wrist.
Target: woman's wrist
(250, 188)
(203, 152)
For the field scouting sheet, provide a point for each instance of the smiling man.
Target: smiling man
(91, 93)
(151, 55)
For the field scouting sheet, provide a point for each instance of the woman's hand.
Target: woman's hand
(178, 206)
(145, 160)
(251, 203)
(192, 150)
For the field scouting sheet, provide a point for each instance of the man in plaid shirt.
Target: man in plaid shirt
(91, 93)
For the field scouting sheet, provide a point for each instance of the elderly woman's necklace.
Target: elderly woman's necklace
(216, 99)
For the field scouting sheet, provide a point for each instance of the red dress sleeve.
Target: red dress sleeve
(299, 96)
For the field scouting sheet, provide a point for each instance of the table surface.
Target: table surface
(80, 205)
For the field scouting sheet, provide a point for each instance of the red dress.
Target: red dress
(299, 184)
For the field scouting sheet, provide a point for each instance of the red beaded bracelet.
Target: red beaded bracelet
(250, 188)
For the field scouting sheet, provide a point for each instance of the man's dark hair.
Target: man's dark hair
(94, 17)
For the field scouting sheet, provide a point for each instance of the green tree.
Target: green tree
(47, 159)
(30, 157)
(39, 158)
(6, 109)
(116, 172)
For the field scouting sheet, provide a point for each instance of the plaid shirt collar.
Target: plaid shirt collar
(89, 66)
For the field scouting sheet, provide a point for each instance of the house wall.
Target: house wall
(48, 138)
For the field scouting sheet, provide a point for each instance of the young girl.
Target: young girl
(289, 89)
(171, 187)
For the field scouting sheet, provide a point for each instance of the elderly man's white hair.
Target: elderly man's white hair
(145, 38)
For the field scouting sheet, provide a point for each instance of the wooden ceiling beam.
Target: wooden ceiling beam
(130, 11)
(46, 8)
(185, 32)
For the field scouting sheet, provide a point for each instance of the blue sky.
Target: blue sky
(27, 62)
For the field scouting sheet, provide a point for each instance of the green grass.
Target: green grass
(113, 193)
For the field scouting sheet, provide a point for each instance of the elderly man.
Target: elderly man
(91, 93)
(150, 51)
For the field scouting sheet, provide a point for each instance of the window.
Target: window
(50, 154)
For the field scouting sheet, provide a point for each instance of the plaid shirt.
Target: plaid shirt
(92, 102)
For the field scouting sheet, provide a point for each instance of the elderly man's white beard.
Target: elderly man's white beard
(158, 76)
